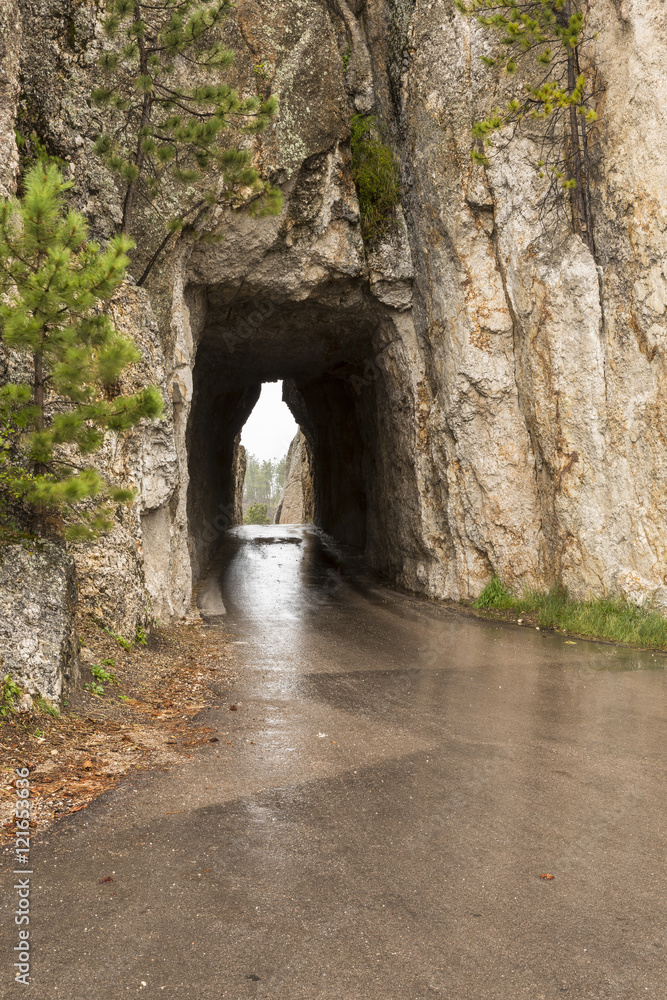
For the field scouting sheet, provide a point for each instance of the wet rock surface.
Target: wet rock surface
(375, 818)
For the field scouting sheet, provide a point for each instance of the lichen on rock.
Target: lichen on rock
(37, 605)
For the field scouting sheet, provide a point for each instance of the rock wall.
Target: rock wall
(239, 464)
(125, 577)
(478, 394)
(10, 54)
(296, 503)
(38, 646)
(545, 372)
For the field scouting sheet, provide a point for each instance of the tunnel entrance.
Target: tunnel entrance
(325, 359)
(341, 360)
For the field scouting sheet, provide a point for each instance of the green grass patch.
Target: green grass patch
(375, 173)
(613, 619)
(45, 706)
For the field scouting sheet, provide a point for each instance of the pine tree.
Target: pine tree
(559, 104)
(53, 283)
(161, 129)
(256, 514)
(264, 482)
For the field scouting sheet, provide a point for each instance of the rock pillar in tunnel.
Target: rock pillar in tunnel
(296, 503)
(328, 412)
(216, 462)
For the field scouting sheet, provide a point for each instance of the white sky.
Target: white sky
(270, 427)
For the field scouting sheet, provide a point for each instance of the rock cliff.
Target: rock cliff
(38, 646)
(296, 503)
(478, 394)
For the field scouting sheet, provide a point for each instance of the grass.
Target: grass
(613, 619)
(375, 173)
(45, 706)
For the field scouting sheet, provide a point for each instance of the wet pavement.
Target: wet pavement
(397, 778)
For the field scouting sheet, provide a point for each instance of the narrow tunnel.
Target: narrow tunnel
(332, 359)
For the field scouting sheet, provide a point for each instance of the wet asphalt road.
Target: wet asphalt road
(398, 778)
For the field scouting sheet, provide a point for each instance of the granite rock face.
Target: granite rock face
(296, 503)
(546, 369)
(37, 601)
(124, 577)
(10, 55)
(477, 394)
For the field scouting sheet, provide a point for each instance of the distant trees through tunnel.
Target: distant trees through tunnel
(266, 438)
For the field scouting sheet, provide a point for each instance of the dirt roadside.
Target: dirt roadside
(143, 717)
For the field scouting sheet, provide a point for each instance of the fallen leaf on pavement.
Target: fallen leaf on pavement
(544, 875)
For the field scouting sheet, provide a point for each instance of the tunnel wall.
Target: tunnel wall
(328, 413)
(218, 413)
(338, 357)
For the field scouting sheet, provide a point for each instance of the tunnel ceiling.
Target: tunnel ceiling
(246, 339)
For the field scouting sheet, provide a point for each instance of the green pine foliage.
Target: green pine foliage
(263, 484)
(53, 284)
(256, 514)
(558, 104)
(165, 125)
(375, 173)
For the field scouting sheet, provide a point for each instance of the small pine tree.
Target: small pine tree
(53, 282)
(559, 104)
(256, 514)
(161, 128)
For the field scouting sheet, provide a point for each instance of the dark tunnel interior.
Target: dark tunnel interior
(324, 355)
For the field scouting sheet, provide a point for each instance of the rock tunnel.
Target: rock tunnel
(336, 355)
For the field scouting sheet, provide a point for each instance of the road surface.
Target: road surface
(397, 779)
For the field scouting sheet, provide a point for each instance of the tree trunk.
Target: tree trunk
(576, 168)
(131, 193)
(587, 178)
(38, 468)
(581, 217)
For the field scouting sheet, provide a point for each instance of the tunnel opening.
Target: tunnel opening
(271, 446)
(335, 357)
